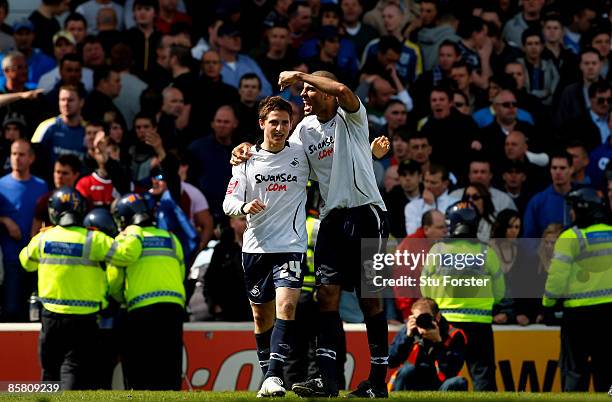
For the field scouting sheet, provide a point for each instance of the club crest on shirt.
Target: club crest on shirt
(294, 163)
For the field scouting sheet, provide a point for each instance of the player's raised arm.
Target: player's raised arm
(346, 98)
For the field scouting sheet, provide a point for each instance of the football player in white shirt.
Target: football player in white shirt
(335, 137)
(270, 188)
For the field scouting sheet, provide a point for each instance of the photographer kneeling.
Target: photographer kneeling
(432, 350)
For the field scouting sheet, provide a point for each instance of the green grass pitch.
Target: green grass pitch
(133, 396)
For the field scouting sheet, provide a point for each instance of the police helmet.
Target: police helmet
(66, 207)
(130, 209)
(462, 219)
(102, 220)
(589, 208)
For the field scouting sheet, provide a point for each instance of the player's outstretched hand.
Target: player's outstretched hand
(240, 154)
(254, 207)
(288, 78)
(380, 146)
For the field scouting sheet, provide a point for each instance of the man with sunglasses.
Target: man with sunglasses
(505, 107)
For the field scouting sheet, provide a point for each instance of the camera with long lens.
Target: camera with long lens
(425, 321)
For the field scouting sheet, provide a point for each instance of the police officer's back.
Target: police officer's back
(153, 289)
(72, 286)
(580, 277)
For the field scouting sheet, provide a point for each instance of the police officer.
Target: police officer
(100, 219)
(468, 308)
(72, 286)
(154, 292)
(580, 276)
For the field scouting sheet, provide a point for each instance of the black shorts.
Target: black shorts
(265, 272)
(347, 238)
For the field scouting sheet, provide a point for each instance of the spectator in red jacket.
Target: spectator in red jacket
(433, 228)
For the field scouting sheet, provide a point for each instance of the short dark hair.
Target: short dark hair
(5, 5)
(505, 81)
(75, 17)
(588, 50)
(389, 42)
(529, 32)
(443, 88)
(418, 135)
(598, 87)
(552, 16)
(514, 165)
(408, 167)
(577, 144)
(90, 39)
(404, 133)
(146, 116)
(435, 168)
(293, 8)
(480, 157)
(272, 103)
(333, 8)
(95, 123)
(182, 54)
(462, 64)
(147, 3)
(52, 2)
(70, 160)
(101, 73)
(250, 76)
(70, 57)
(470, 24)
(392, 102)
(562, 154)
(450, 43)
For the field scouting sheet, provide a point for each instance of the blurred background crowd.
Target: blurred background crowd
(503, 103)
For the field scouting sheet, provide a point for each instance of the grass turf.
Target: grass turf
(102, 396)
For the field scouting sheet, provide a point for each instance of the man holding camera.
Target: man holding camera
(433, 352)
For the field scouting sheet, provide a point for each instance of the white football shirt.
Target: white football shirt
(341, 159)
(279, 181)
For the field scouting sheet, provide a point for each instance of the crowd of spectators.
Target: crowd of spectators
(500, 102)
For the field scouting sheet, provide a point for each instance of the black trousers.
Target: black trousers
(68, 345)
(584, 335)
(154, 347)
(480, 354)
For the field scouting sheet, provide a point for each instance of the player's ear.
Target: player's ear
(262, 124)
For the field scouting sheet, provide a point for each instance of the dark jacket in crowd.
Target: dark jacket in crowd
(451, 140)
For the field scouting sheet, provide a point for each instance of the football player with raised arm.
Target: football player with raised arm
(335, 137)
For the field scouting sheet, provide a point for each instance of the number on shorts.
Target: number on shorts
(293, 266)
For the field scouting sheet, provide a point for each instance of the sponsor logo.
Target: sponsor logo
(276, 187)
(255, 291)
(325, 153)
(327, 142)
(281, 177)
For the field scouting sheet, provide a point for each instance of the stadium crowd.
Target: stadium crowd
(502, 103)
